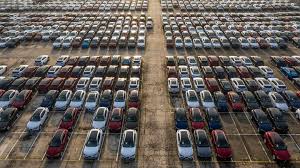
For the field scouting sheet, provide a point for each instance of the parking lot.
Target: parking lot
(157, 135)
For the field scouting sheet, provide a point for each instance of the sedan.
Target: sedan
(221, 144)
(196, 118)
(78, 99)
(277, 146)
(292, 99)
(22, 99)
(115, 120)
(192, 99)
(93, 144)
(278, 101)
(261, 121)
(213, 119)
(278, 120)
(180, 118)
(69, 119)
(129, 144)
(38, 119)
(202, 144)
(131, 121)
(57, 144)
(250, 100)
(63, 100)
(92, 101)
(100, 118)
(7, 118)
(184, 144)
(49, 99)
(7, 98)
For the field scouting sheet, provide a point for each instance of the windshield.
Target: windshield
(62, 97)
(67, 117)
(132, 118)
(92, 141)
(128, 140)
(55, 142)
(185, 142)
(35, 117)
(116, 117)
(4, 118)
(91, 98)
(99, 117)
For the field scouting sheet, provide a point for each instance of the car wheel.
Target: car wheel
(273, 157)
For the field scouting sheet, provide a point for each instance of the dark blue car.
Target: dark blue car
(50, 99)
(220, 101)
(213, 119)
(289, 72)
(181, 121)
(86, 43)
(106, 98)
(261, 121)
(292, 99)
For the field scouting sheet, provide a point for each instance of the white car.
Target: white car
(272, 42)
(199, 84)
(235, 60)
(3, 69)
(197, 43)
(178, 42)
(264, 84)
(129, 144)
(253, 43)
(89, 71)
(278, 101)
(206, 99)
(195, 72)
(186, 84)
(120, 99)
(188, 43)
(63, 100)
(267, 71)
(244, 42)
(183, 71)
(92, 100)
(246, 61)
(278, 85)
(53, 71)
(184, 144)
(78, 99)
(215, 43)
(37, 119)
(192, 99)
(134, 84)
(191, 60)
(62, 60)
(173, 85)
(95, 84)
(67, 42)
(238, 84)
(83, 83)
(137, 60)
(58, 42)
(297, 114)
(93, 144)
(18, 71)
(3, 42)
(41, 60)
(100, 118)
(7, 98)
(206, 42)
(141, 42)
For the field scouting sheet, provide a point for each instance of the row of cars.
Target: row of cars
(265, 105)
(237, 6)
(226, 31)
(71, 5)
(101, 30)
(112, 110)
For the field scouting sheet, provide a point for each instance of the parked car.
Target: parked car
(202, 144)
(115, 120)
(69, 119)
(49, 99)
(57, 144)
(93, 144)
(180, 118)
(278, 101)
(261, 121)
(213, 119)
(22, 99)
(7, 98)
(184, 144)
(132, 118)
(250, 100)
(37, 119)
(196, 118)
(221, 144)
(63, 100)
(7, 117)
(278, 120)
(277, 146)
(129, 144)
(100, 118)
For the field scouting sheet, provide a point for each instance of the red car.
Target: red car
(196, 118)
(243, 72)
(277, 146)
(44, 85)
(22, 99)
(213, 60)
(115, 120)
(65, 71)
(69, 119)
(57, 84)
(291, 61)
(70, 84)
(73, 60)
(30, 71)
(2, 92)
(212, 84)
(57, 144)
(133, 99)
(235, 101)
(108, 83)
(221, 144)
(104, 61)
(172, 72)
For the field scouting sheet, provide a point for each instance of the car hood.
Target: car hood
(91, 150)
(33, 124)
(224, 152)
(127, 151)
(204, 151)
(99, 124)
(4, 103)
(131, 125)
(282, 154)
(185, 151)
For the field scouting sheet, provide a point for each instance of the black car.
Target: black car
(203, 60)
(250, 100)
(220, 101)
(6, 82)
(208, 72)
(261, 121)
(251, 84)
(7, 118)
(255, 72)
(257, 61)
(231, 72)
(42, 71)
(100, 71)
(219, 71)
(225, 61)
(112, 71)
(121, 84)
(50, 99)
(181, 60)
(225, 85)
(296, 82)
(213, 119)
(132, 121)
(83, 60)
(277, 118)
(32, 83)
(278, 61)
(18, 84)
(181, 121)
(202, 142)
(292, 99)
(13, 42)
(77, 71)
(281, 42)
(234, 42)
(263, 99)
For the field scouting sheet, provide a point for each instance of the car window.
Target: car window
(4, 117)
(67, 117)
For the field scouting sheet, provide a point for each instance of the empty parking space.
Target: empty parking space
(242, 123)
(84, 123)
(39, 148)
(292, 146)
(75, 146)
(228, 124)
(239, 151)
(110, 147)
(255, 148)
(293, 123)
(8, 144)
(54, 118)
